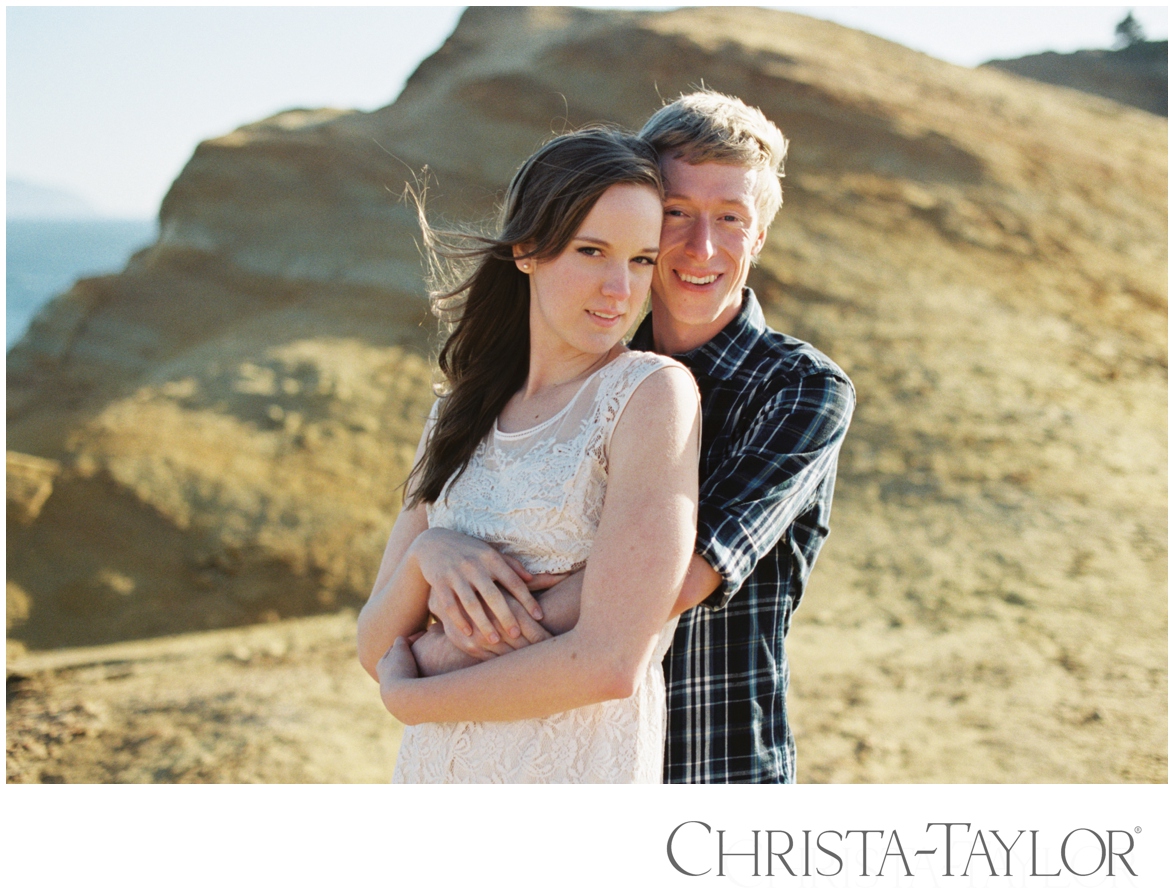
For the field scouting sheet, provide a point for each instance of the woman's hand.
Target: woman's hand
(467, 578)
(476, 646)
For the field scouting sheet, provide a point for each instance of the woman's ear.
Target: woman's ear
(526, 265)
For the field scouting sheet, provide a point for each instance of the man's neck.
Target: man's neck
(670, 336)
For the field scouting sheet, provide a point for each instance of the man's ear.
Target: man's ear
(526, 265)
(759, 242)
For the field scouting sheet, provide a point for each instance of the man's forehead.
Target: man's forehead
(729, 183)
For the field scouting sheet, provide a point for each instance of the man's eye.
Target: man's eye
(674, 212)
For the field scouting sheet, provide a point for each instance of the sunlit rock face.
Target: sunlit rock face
(226, 422)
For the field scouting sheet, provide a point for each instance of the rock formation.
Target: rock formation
(1137, 75)
(225, 423)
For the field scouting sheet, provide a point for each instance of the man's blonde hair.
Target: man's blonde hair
(710, 126)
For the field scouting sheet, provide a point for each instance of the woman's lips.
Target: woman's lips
(603, 318)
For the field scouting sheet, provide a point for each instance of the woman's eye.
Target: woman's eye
(589, 250)
(645, 260)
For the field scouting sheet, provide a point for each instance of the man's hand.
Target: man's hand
(467, 578)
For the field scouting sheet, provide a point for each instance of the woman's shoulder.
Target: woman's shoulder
(645, 363)
(660, 404)
(655, 382)
(638, 365)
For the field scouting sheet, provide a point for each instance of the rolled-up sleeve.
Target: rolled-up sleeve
(770, 475)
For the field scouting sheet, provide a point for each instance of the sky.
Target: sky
(108, 103)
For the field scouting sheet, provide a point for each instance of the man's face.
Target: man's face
(710, 234)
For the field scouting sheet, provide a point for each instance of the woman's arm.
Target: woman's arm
(398, 604)
(636, 569)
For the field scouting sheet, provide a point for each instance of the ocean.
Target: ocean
(46, 257)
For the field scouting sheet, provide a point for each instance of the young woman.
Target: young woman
(558, 447)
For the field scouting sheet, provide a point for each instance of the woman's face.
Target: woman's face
(583, 300)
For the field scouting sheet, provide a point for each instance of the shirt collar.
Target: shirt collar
(723, 353)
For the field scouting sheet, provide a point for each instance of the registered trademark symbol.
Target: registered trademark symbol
(1137, 828)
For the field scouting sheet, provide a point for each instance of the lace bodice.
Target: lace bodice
(537, 495)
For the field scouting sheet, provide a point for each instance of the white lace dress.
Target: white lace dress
(537, 495)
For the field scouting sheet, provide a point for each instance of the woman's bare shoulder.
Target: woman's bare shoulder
(664, 405)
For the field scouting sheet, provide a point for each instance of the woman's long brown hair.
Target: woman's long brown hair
(486, 357)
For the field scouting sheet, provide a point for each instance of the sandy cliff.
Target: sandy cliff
(214, 437)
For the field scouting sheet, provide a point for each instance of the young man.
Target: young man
(775, 412)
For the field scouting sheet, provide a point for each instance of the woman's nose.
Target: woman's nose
(618, 283)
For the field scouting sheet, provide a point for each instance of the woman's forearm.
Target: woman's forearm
(568, 671)
(398, 605)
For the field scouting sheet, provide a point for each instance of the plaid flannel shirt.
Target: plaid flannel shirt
(774, 414)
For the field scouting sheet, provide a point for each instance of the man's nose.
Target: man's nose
(699, 243)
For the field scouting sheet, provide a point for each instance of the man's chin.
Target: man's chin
(696, 306)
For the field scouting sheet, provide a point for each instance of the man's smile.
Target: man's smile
(697, 280)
